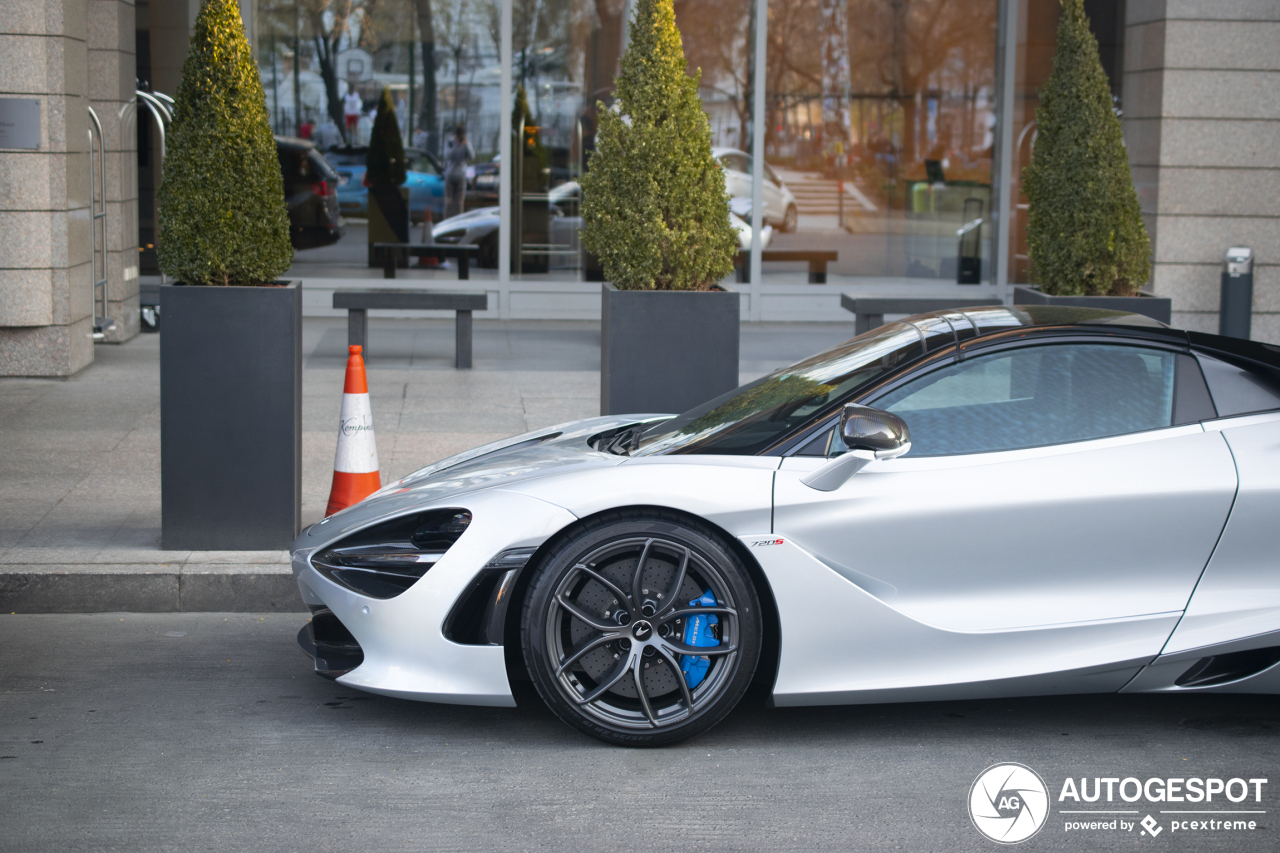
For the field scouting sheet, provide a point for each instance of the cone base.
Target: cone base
(350, 489)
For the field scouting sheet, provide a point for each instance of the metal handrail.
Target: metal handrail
(160, 112)
(161, 108)
(98, 229)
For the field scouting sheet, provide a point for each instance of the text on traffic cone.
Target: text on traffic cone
(355, 465)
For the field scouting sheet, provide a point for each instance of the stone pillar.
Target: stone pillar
(46, 286)
(1201, 120)
(112, 83)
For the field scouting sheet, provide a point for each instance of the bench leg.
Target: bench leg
(358, 327)
(464, 266)
(389, 263)
(867, 322)
(818, 273)
(462, 354)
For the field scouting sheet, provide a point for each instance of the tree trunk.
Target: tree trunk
(427, 30)
(326, 52)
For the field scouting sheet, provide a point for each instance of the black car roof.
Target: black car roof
(996, 322)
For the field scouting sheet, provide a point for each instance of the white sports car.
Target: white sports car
(976, 503)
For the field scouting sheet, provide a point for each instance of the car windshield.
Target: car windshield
(751, 419)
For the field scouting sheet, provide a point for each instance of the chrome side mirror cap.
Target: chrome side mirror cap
(869, 434)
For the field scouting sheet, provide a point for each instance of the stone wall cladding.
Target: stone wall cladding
(45, 329)
(1201, 116)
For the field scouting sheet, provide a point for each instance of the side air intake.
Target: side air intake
(1221, 669)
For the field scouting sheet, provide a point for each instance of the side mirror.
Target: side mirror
(869, 434)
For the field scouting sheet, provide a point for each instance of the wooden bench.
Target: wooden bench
(358, 303)
(817, 262)
(392, 252)
(869, 311)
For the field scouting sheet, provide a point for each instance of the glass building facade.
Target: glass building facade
(894, 131)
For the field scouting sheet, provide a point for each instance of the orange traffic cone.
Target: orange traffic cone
(355, 465)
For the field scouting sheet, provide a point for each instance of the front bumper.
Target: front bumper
(405, 652)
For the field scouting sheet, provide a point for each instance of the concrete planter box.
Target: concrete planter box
(1156, 307)
(664, 350)
(230, 417)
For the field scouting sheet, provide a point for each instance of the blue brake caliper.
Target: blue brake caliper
(697, 632)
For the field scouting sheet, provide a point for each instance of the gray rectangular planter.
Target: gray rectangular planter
(666, 350)
(1156, 307)
(230, 417)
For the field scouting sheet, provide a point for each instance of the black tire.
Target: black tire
(584, 648)
(791, 220)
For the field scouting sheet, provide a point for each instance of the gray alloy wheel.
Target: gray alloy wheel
(790, 220)
(605, 622)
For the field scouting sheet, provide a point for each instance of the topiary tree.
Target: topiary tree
(222, 217)
(1085, 234)
(654, 206)
(385, 160)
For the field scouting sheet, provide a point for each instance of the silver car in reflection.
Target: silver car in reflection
(973, 503)
(479, 227)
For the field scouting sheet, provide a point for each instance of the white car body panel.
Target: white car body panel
(405, 651)
(979, 542)
(732, 492)
(851, 647)
(1239, 595)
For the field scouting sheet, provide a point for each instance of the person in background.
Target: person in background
(304, 130)
(352, 106)
(455, 172)
(327, 135)
(402, 116)
(420, 138)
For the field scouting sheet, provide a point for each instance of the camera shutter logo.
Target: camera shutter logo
(1008, 803)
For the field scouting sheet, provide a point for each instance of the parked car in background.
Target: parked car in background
(480, 227)
(424, 179)
(311, 193)
(780, 209)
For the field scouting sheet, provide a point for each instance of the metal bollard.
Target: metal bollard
(1235, 311)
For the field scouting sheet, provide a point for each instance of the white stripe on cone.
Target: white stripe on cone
(357, 452)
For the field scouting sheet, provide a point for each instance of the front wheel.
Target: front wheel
(641, 629)
(791, 220)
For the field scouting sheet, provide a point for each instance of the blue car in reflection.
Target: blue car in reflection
(424, 180)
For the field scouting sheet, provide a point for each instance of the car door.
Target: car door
(737, 180)
(775, 206)
(1052, 500)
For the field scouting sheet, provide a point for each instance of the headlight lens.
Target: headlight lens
(384, 560)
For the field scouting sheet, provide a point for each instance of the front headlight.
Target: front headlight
(384, 560)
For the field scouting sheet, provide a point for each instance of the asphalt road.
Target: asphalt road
(191, 732)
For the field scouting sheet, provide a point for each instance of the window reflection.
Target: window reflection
(324, 64)
(566, 56)
(880, 130)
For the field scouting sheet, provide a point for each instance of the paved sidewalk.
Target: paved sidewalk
(80, 458)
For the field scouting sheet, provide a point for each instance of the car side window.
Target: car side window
(422, 163)
(293, 165)
(1036, 396)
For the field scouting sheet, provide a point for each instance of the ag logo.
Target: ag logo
(1008, 803)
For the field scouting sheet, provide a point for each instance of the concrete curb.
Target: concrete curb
(193, 585)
